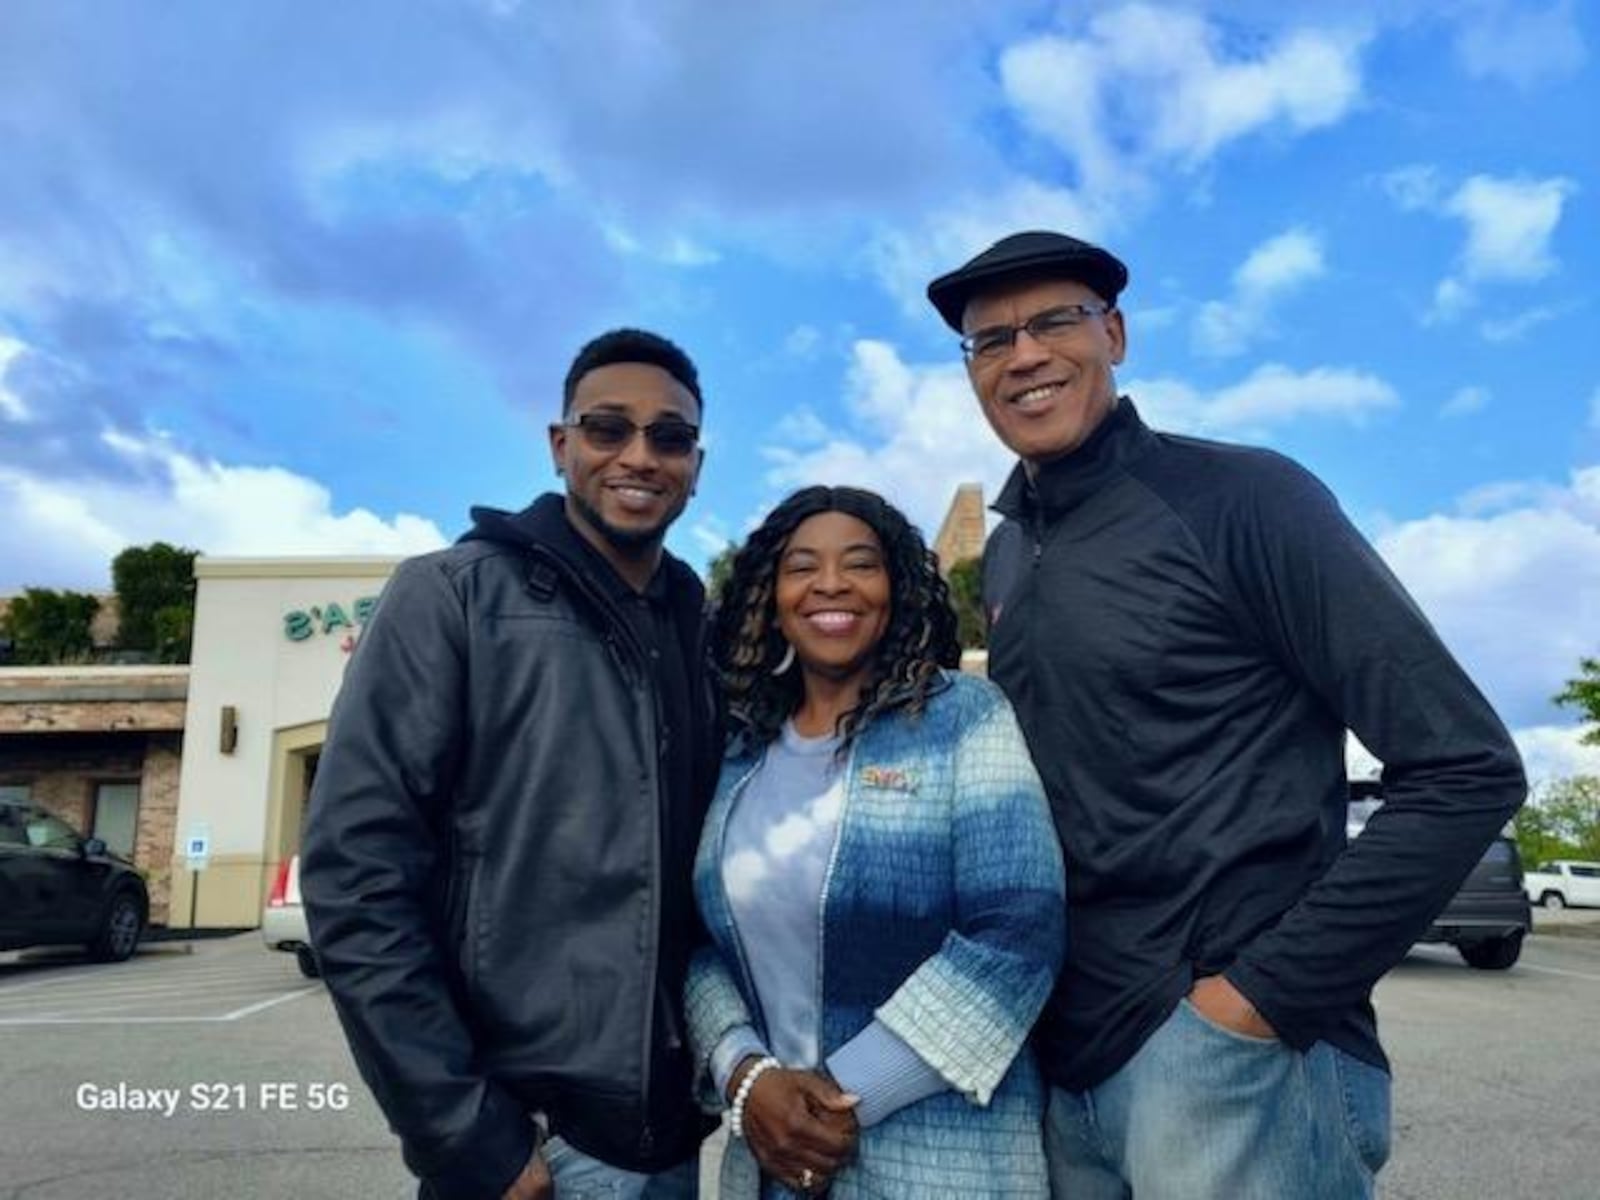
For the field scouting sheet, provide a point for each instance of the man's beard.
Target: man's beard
(628, 541)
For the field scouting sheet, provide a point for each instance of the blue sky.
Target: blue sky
(279, 278)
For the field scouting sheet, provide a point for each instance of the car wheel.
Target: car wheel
(305, 958)
(119, 934)
(1493, 954)
(1553, 900)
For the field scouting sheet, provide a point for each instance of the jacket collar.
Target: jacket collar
(743, 743)
(1061, 484)
(543, 526)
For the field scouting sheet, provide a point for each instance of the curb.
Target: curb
(1588, 930)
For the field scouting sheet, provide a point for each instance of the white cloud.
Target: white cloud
(673, 250)
(710, 537)
(1450, 299)
(1414, 188)
(1466, 400)
(1522, 45)
(1551, 752)
(11, 406)
(1514, 591)
(916, 432)
(1514, 326)
(905, 261)
(1509, 225)
(1274, 269)
(1280, 263)
(1142, 89)
(1271, 395)
(803, 427)
(171, 496)
(1147, 85)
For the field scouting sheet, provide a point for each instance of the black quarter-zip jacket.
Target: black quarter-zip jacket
(1187, 629)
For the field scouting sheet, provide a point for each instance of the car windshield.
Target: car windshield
(28, 826)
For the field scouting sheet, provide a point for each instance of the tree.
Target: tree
(966, 595)
(1584, 693)
(1535, 835)
(1562, 820)
(155, 594)
(48, 627)
(718, 574)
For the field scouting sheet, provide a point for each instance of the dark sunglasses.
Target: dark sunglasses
(613, 431)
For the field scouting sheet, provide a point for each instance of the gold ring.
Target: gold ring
(807, 1179)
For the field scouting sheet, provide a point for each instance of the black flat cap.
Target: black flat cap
(1037, 252)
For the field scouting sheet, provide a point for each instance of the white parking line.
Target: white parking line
(223, 983)
(236, 1015)
(251, 1010)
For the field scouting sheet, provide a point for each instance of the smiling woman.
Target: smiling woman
(861, 1025)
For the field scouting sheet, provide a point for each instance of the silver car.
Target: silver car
(283, 921)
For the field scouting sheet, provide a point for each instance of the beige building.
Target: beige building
(271, 638)
(962, 532)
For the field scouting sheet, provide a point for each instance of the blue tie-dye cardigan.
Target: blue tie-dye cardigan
(942, 915)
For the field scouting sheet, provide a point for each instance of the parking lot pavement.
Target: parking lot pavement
(223, 980)
(1567, 922)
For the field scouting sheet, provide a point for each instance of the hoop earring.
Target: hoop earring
(787, 661)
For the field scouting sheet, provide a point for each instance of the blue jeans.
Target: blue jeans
(1203, 1113)
(579, 1177)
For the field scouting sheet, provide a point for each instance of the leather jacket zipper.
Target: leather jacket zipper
(619, 635)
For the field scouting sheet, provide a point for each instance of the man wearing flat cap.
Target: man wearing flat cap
(1187, 629)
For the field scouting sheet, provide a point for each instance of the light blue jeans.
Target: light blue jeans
(579, 1177)
(1203, 1113)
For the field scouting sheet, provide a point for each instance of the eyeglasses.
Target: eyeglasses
(1053, 324)
(608, 431)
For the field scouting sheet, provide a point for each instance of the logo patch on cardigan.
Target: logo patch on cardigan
(887, 778)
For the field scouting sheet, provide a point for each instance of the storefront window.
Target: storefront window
(116, 816)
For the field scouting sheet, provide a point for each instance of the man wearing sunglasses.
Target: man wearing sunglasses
(1187, 629)
(497, 865)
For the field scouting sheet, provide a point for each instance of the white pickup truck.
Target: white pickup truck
(1564, 883)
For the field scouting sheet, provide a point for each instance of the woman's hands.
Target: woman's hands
(799, 1125)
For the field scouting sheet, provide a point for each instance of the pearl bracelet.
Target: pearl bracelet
(742, 1093)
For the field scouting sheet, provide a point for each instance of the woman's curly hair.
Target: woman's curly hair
(920, 637)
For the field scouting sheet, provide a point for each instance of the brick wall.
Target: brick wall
(58, 716)
(62, 771)
(158, 820)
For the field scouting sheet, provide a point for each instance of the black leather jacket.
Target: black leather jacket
(484, 869)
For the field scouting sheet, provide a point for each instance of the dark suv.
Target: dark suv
(58, 887)
(1488, 916)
